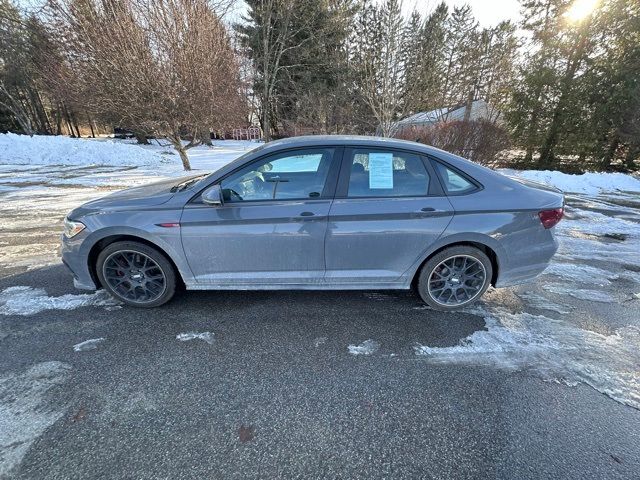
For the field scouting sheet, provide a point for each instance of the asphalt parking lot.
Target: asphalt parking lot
(534, 383)
(277, 394)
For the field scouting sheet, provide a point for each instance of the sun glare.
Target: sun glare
(580, 9)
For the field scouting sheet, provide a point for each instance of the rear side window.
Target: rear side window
(453, 182)
(381, 173)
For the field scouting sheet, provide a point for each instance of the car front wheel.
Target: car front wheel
(455, 277)
(136, 274)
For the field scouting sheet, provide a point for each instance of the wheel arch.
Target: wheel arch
(482, 246)
(104, 242)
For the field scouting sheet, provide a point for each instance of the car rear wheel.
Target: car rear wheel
(136, 274)
(455, 277)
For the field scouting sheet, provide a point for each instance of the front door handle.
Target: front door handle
(307, 214)
(428, 209)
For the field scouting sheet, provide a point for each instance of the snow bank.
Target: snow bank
(59, 150)
(588, 183)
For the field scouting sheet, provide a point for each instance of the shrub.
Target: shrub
(477, 140)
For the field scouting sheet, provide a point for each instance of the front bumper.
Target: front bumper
(77, 261)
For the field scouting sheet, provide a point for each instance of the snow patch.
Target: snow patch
(23, 300)
(588, 183)
(596, 223)
(60, 150)
(205, 336)
(367, 347)
(554, 349)
(581, 273)
(581, 294)
(26, 410)
(542, 303)
(91, 344)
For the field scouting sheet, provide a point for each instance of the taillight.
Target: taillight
(550, 218)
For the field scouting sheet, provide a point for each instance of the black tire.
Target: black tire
(471, 287)
(116, 280)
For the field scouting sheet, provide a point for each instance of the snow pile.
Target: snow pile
(60, 150)
(588, 183)
(555, 350)
(22, 300)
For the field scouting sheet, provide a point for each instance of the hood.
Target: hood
(149, 195)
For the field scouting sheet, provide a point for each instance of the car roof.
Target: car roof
(352, 140)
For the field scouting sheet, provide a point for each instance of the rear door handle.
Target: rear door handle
(307, 214)
(428, 209)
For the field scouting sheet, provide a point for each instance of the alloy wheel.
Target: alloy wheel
(134, 276)
(457, 280)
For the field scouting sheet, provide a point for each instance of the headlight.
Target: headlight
(71, 228)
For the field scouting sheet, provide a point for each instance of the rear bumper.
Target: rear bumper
(527, 264)
(77, 263)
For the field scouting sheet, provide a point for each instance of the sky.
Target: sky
(488, 12)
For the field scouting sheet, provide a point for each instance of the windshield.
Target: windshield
(191, 182)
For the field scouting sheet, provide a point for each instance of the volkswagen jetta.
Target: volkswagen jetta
(321, 212)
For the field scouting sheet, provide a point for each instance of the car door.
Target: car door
(271, 226)
(389, 208)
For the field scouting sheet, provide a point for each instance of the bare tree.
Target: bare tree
(273, 31)
(163, 68)
(380, 61)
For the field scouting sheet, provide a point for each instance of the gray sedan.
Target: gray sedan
(322, 212)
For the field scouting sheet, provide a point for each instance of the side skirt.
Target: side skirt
(300, 286)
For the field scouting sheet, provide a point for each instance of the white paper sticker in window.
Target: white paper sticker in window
(381, 170)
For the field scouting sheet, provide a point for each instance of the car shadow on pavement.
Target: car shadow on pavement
(302, 321)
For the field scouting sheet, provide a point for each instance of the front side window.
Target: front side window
(300, 174)
(453, 182)
(382, 173)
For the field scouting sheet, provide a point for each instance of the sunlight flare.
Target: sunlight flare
(580, 9)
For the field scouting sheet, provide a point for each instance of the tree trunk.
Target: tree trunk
(605, 163)
(632, 155)
(177, 144)
(58, 117)
(93, 133)
(547, 151)
(75, 124)
(468, 106)
(185, 159)
(266, 131)
(68, 119)
(205, 137)
(141, 138)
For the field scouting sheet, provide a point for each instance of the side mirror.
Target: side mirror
(213, 196)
